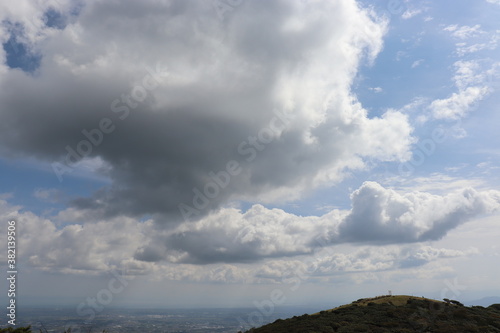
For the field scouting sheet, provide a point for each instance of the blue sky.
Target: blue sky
(227, 151)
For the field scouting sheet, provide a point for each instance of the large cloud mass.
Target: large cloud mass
(173, 99)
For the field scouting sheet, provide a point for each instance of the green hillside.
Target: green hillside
(403, 314)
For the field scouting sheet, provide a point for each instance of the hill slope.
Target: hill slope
(404, 314)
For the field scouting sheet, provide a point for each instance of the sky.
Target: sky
(247, 153)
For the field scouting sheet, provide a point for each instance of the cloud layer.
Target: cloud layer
(379, 216)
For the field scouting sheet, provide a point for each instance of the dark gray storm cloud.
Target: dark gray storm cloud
(183, 110)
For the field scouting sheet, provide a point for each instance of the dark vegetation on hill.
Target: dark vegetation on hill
(16, 330)
(403, 314)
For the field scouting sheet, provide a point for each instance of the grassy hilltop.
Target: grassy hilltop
(403, 314)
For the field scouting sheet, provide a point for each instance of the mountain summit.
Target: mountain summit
(403, 314)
